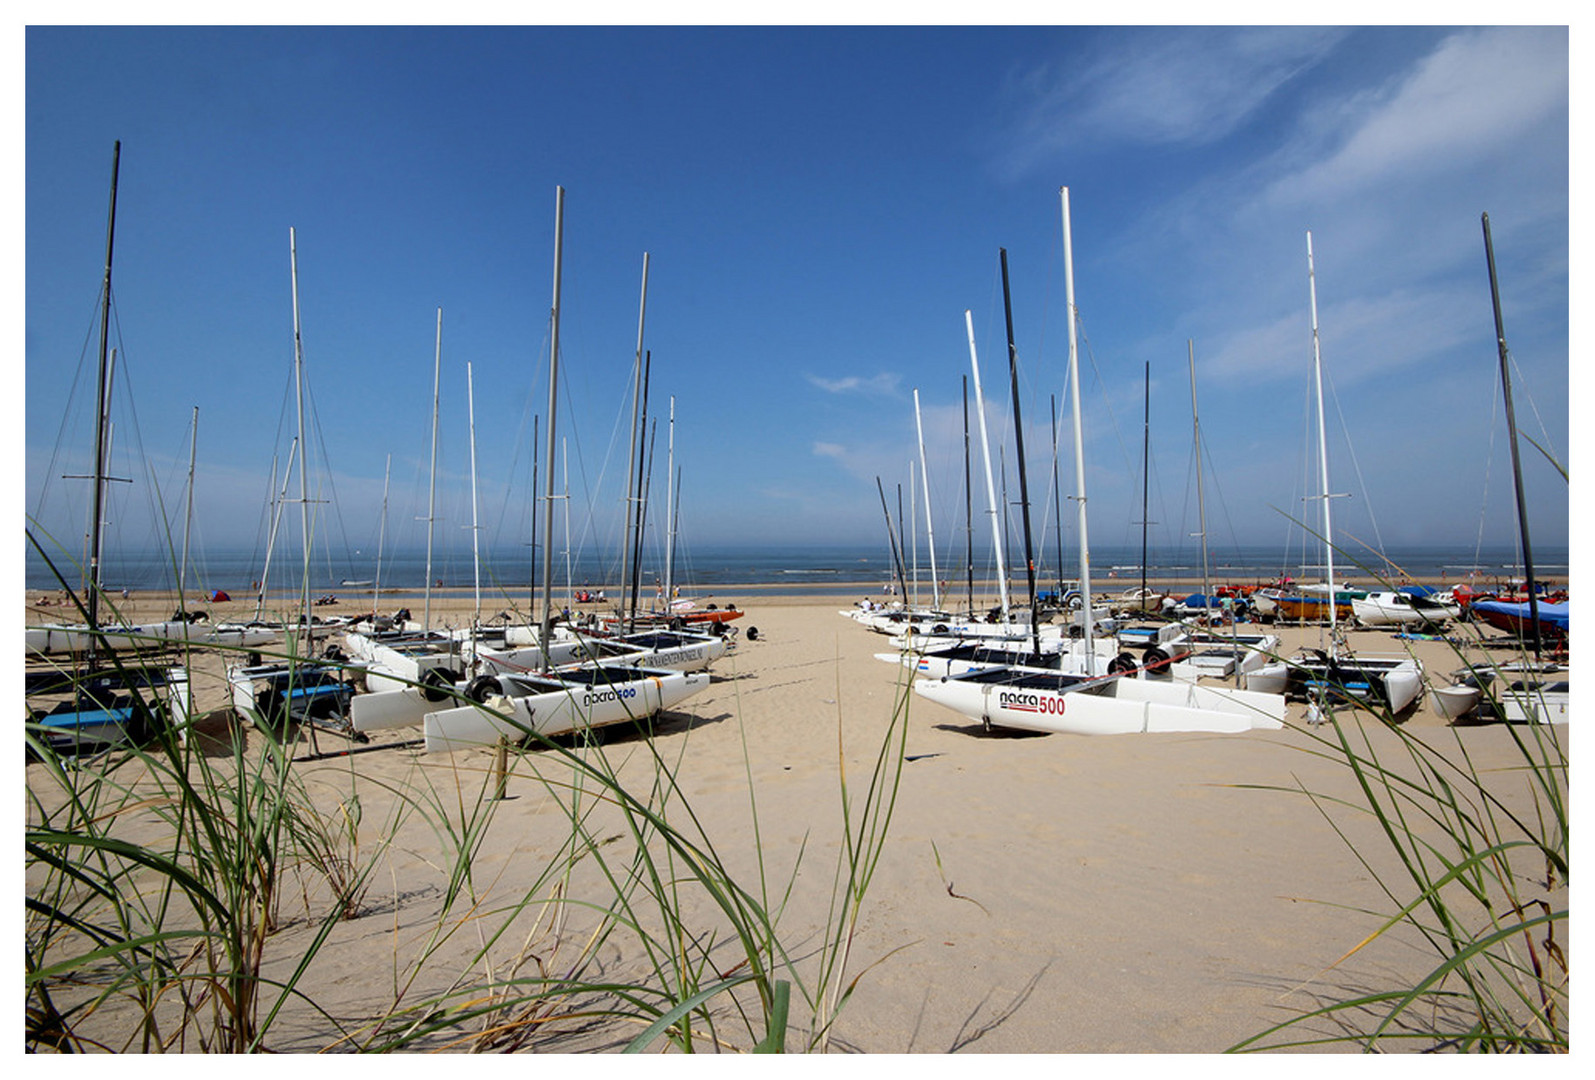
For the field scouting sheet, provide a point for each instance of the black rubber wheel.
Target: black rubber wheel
(482, 687)
(1155, 660)
(436, 683)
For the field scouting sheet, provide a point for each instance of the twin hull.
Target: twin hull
(1074, 705)
(566, 702)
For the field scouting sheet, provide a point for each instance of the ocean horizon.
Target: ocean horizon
(798, 567)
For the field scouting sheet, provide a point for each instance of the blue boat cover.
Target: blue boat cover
(1550, 614)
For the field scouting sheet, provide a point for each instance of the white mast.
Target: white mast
(1323, 453)
(432, 493)
(476, 554)
(547, 626)
(304, 455)
(985, 447)
(1079, 436)
(382, 535)
(670, 502)
(930, 528)
(1201, 503)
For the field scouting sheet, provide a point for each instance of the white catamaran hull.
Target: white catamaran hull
(1108, 706)
(56, 638)
(547, 707)
(1393, 681)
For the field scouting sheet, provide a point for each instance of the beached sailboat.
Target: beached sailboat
(105, 702)
(1407, 607)
(515, 707)
(1391, 683)
(1514, 692)
(553, 701)
(1540, 691)
(295, 688)
(1083, 703)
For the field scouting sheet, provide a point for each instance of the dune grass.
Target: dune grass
(1482, 884)
(184, 894)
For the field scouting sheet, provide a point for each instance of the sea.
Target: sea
(734, 571)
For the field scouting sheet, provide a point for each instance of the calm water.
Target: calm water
(835, 569)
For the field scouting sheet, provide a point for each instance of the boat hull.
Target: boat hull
(1063, 704)
(536, 705)
(1391, 682)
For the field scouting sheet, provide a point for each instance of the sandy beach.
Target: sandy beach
(1036, 894)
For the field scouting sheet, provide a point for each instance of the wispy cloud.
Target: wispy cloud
(884, 384)
(1441, 116)
(1177, 87)
(1366, 337)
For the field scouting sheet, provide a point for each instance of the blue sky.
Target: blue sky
(819, 207)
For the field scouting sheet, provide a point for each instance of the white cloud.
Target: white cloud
(1161, 87)
(884, 384)
(1361, 338)
(1458, 105)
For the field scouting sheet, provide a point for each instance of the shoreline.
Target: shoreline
(1104, 591)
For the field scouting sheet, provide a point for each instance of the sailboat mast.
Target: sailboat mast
(670, 502)
(382, 534)
(644, 458)
(930, 528)
(531, 594)
(547, 626)
(304, 449)
(102, 399)
(645, 485)
(985, 446)
(1146, 466)
(1323, 452)
(891, 538)
(565, 453)
(632, 468)
(1019, 443)
(969, 520)
(476, 552)
(188, 521)
(1511, 430)
(432, 491)
(1079, 437)
(1057, 501)
(913, 535)
(279, 497)
(1201, 502)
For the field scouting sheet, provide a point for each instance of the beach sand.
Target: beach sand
(1037, 894)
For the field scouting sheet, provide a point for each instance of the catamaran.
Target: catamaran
(1390, 682)
(1085, 703)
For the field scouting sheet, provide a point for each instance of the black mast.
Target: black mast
(1019, 442)
(1511, 431)
(634, 508)
(102, 396)
(897, 562)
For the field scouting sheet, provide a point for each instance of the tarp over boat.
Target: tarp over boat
(1515, 617)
